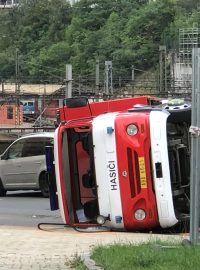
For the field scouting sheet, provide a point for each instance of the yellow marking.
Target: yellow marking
(143, 178)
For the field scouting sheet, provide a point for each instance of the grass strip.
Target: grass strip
(148, 256)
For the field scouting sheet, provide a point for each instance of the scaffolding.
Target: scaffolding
(188, 39)
(181, 66)
(163, 69)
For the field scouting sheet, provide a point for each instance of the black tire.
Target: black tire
(179, 114)
(2, 190)
(44, 184)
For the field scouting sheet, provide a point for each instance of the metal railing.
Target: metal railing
(25, 130)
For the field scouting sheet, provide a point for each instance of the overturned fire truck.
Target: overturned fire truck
(123, 163)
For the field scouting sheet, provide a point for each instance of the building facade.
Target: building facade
(10, 113)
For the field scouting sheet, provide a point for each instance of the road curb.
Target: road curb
(89, 263)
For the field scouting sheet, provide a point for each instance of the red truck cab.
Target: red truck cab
(113, 164)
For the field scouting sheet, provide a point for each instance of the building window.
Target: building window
(10, 113)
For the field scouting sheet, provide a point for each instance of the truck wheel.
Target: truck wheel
(44, 184)
(179, 114)
(2, 190)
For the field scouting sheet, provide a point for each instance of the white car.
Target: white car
(23, 164)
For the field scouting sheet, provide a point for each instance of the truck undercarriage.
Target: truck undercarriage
(179, 150)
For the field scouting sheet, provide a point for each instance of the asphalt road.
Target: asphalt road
(26, 208)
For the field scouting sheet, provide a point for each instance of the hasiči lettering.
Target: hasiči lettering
(112, 174)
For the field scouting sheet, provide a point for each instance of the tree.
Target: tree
(50, 34)
(143, 33)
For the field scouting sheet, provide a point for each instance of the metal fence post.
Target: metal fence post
(195, 149)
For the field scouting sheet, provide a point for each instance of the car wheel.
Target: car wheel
(2, 190)
(44, 184)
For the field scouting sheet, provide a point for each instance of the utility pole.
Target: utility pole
(172, 71)
(68, 81)
(17, 84)
(163, 69)
(44, 100)
(108, 78)
(17, 88)
(195, 149)
(79, 85)
(97, 77)
(132, 73)
(3, 89)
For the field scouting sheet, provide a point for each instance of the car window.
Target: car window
(15, 150)
(35, 146)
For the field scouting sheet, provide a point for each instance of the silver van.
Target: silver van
(23, 164)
